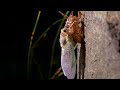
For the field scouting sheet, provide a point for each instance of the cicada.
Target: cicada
(69, 36)
(68, 58)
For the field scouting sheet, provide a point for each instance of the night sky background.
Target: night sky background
(15, 35)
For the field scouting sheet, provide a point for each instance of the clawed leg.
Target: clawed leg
(75, 46)
(81, 16)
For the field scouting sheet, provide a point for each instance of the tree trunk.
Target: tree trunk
(102, 43)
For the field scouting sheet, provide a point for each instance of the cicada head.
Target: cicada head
(63, 35)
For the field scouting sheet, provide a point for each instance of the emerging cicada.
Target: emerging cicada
(71, 34)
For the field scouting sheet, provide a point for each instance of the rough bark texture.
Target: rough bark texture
(102, 42)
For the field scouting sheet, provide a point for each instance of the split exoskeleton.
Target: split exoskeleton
(73, 27)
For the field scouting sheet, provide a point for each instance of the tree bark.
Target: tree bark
(102, 43)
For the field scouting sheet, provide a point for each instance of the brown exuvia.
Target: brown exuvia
(73, 27)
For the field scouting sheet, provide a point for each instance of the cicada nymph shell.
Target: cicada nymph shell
(74, 28)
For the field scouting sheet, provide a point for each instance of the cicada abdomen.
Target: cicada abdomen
(68, 58)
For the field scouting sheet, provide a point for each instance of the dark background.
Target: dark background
(16, 29)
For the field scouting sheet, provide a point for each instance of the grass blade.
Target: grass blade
(29, 61)
(35, 44)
